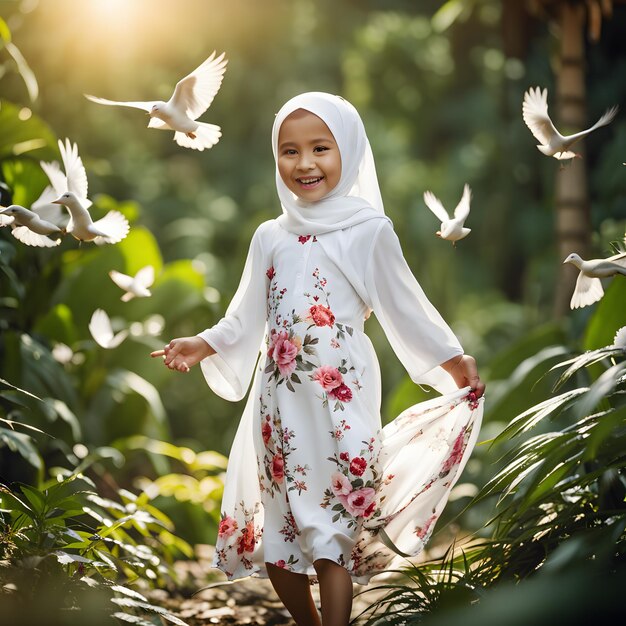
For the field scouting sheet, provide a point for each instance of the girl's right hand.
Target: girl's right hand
(183, 353)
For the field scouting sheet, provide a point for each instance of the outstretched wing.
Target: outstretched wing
(27, 236)
(115, 225)
(102, 331)
(144, 106)
(535, 114)
(145, 277)
(434, 204)
(75, 173)
(57, 179)
(123, 281)
(6, 220)
(194, 93)
(588, 290)
(463, 207)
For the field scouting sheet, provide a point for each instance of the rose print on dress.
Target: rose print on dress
(320, 315)
(227, 526)
(354, 486)
(332, 382)
(288, 565)
(237, 534)
(278, 446)
(286, 355)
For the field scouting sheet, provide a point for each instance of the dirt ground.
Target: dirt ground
(209, 598)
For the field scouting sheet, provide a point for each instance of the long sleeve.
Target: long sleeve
(416, 331)
(237, 337)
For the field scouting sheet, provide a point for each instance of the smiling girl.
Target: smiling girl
(315, 485)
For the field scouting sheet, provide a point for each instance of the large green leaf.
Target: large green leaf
(25, 178)
(32, 136)
(23, 445)
(525, 386)
(505, 362)
(58, 325)
(609, 316)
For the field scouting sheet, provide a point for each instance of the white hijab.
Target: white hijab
(356, 198)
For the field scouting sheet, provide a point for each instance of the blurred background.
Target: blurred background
(439, 86)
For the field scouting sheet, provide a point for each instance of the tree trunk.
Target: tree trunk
(573, 226)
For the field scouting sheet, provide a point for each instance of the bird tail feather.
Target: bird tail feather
(207, 135)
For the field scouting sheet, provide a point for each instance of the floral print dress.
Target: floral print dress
(312, 474)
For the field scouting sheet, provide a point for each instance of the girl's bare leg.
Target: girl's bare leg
(335, 592)
(294, 590)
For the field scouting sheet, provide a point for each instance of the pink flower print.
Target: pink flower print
(455, 455)
(422, 531)
(334, 343)
(358, 465)
(284, 353)
(389, 478)
(370, 509)
(227, 527)
(247, 540)
(329, 377)
(270, 273)
(278, 468)
(357, 502)
(272, 342)
(304, 238)
(340, 484)
(266, 431)
(343, 393)
(344, 456)
(321, 315)
(281, 563)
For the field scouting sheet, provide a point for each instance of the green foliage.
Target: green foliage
(558, 503)
(66, 531)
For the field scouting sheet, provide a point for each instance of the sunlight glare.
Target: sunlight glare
(112, 9)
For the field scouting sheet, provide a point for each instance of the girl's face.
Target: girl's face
(309, 161)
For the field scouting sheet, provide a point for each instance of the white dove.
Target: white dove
(102, 331)
(135, 286)
(112, 228)
(535, 114)
(451, 229)
(74, 179)
(588, 286)
(191, 98)
(28, 227)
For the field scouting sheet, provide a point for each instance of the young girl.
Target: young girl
(314, 485)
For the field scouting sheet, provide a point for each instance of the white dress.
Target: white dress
(311, 473)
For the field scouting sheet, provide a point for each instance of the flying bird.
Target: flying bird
(191, 98)
(112, 228)
(73, 178)
(136, 286)
(30, 228)
(452, 229)
(588, 286)
(535, 114)
(102, 331)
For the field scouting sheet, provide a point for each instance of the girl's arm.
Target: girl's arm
(416, 331)
(228, 351)
(464, 371)
(183, 353)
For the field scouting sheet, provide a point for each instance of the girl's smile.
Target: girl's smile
(309, 161)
